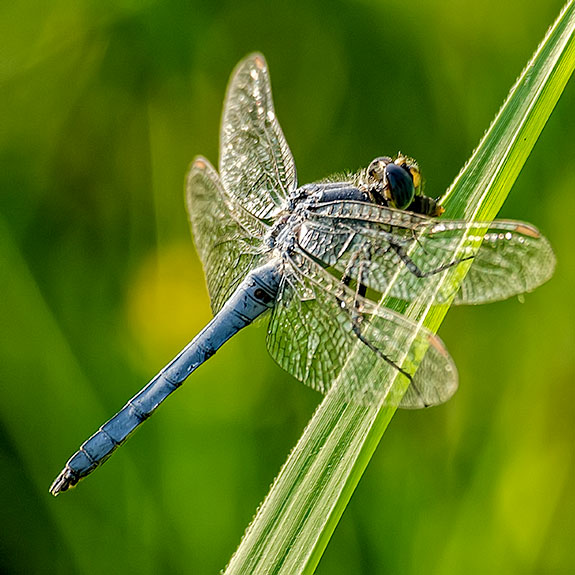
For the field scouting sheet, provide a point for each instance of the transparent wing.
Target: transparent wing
(371, 244)
(228, 251)
(514, 258)
(256, 165)
(316, 327)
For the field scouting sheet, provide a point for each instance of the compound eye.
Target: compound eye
(376, 169)
(400, 185)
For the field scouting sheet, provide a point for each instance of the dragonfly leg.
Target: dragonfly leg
(360, 288)
(357, 331)
(356, 327)
(415, 238)
(359, 261)
(357, 318)
(416, 270)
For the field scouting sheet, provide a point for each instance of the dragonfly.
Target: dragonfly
(318, 258)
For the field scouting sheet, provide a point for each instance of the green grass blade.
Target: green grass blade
(297, 518)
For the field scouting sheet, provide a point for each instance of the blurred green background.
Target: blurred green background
(103, 106)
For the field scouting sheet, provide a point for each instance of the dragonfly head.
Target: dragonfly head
(395, 181)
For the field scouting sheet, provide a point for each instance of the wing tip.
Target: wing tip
(200, 164)
(528, 230)
(200, 168)
(253, 61)
(436, 342)
(257, 58)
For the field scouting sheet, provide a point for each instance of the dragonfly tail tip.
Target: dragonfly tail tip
(63, 482)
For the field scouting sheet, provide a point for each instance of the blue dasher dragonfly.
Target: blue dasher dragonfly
(319, 257)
